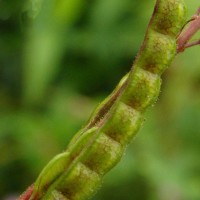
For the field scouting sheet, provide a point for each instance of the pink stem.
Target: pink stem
(186, 35)
(27, 194)
(191, 44)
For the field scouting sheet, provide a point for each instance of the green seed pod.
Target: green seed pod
(77, 173)
(169, 18)
(55, 167)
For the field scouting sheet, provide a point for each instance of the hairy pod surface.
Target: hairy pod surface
(77, 173)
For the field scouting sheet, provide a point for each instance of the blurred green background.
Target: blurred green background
(58, 60)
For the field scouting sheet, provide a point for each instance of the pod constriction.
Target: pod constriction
(77, 173)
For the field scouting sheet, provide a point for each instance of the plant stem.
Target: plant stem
(185, 36)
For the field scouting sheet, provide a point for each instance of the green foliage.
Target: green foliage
(47, 100)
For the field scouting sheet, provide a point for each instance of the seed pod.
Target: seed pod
(76, 174)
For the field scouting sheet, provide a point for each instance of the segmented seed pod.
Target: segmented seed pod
(77, 173)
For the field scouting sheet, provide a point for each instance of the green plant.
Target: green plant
(76, 173)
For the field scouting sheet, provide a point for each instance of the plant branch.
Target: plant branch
(185, 36)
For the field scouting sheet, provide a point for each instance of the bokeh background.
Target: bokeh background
(58, 60)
